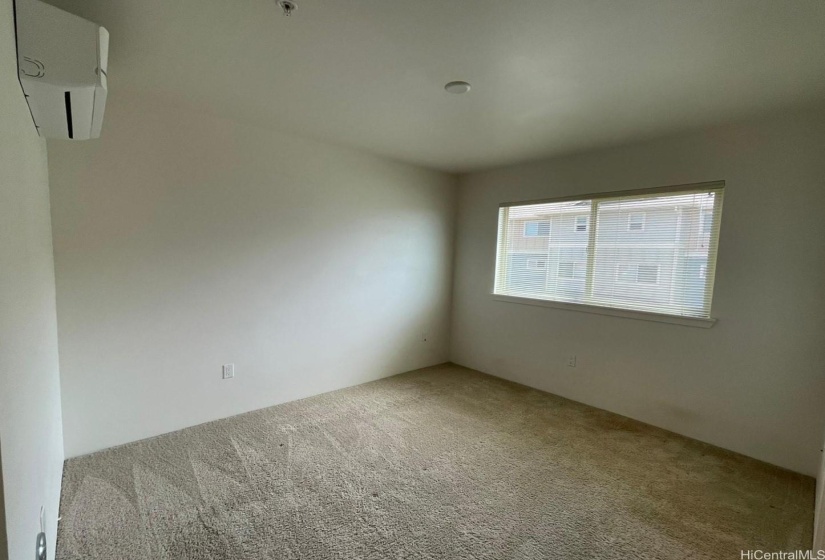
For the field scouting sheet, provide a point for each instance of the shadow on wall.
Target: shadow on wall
(819, 523)
(4, 543)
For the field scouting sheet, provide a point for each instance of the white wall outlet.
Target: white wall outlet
(228, 371)
(571, 361)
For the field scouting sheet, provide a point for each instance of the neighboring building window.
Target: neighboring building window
(536, 264)
(536, 229)
(572, 270)
(581, 223)
(666, 269)
(636, 221)
(637, 273)
(647, 274)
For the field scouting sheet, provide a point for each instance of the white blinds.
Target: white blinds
(650, 251)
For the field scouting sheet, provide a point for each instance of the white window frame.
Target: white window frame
(502, 252)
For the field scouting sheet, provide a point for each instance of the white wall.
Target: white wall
(4, 543)
(753, 383)
(30, 418)
(185, 241)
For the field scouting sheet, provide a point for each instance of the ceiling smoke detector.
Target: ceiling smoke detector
(457, 87)
(287, 6)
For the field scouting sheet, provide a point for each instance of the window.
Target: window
(643, 251)
(572, 270)
(636, 221)
(647, 274)
(536, 264)
(536, 229)
(706, 221)
(637, 273)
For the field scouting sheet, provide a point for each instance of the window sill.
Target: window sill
(626, 313)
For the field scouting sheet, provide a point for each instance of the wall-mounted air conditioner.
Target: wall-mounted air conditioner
(62, 63)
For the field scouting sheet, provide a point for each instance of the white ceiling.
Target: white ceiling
(548, 76)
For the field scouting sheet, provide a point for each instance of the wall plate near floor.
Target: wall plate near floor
(41, 550)
(228, 371)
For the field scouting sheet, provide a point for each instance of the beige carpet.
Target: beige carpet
(443, 462)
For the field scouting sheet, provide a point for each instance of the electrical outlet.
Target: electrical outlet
(571, 361)
(228, 371)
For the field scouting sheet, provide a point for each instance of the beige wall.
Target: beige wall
(185, 241)
(753, 383)
(30, 417)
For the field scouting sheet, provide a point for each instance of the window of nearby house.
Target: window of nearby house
(647, 274)
(637, 273)
(536, 264)
(636, 221)
(572, 270)
(534, 228)
(620, 263)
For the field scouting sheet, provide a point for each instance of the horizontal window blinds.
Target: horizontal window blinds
(651, 251)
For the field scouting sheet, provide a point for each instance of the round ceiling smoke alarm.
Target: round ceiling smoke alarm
(457, 87)
(287, 6)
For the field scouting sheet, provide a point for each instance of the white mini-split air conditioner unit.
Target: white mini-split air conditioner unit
(62, 62)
